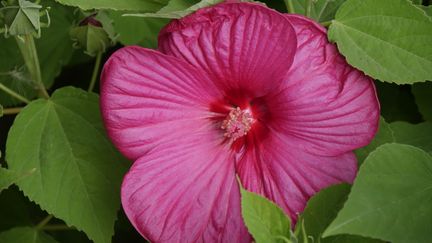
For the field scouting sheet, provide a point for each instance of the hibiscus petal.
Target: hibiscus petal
(148, 97)
(243, 46)
(289, 176)
(186, 191)
(325, 106)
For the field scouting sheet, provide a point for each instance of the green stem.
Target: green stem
(308, 7)
(326, 23)
(14, 94)
(305, 236)
(56, 227)
(95, 72)
(290, 6)
(44, 222)
(28, 50)
(239, 181)
(12, 111)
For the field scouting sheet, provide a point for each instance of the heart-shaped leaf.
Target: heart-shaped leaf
(78, 170)
(387, 39)
(391, 197)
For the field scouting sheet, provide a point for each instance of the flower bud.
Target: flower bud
(23, 18)
(94, 33)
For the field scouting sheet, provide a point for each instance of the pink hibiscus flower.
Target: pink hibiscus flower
(235, 89)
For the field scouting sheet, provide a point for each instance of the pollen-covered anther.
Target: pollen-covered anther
(238, 123)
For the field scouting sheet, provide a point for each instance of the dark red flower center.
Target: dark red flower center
(242, 119)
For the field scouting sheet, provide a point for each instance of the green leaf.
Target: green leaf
(8, 177)
(180, 5)
(387, 39)
(25, 235)
(321, 210)
(384, 135)
(423, 93)
(78, 170)
(322, 10)
(390, 198)
(350, 239)
(55, 46)
(9, 55)
(178, 8)
(264, 219)
(132, 5)
(1, 114)
(137, 31)
(418, 135)
(400, 132)
(427, 9)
